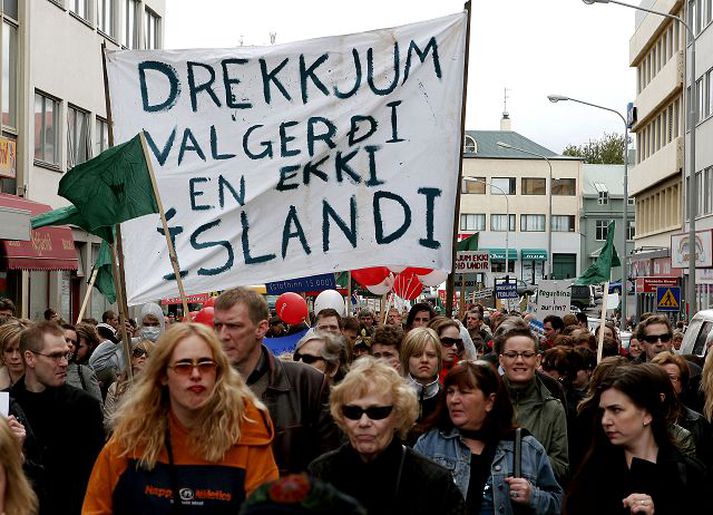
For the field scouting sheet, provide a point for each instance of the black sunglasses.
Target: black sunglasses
(139, 353)
(653, 338)
(372, 412)
(449, 342)
(306, 358)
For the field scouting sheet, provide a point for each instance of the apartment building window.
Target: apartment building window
(151, 29)
(472, 222)
(566, 187)
(475, 185)
(601, 229)
(532, 223)
(534, 186)
(630, 201)
(501, 223)
(709, 92)
(498, 185)
(631, 230)
(130, 36)
(105, 17)
(707, 190)
(101, 136)
(694, 19)
(78, 147)
(562, 223)
(46, 129)
(699, 200)
(9, 75)
(708, 15)
(80, 8)
(603, 198)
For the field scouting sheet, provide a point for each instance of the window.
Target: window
(603, 198)
(602, 227)
(630, 201)
(78, 147)
(631, 230)
(151, 29)
(470, 145)
(46, 125)
(500, 223)
(105, 17)
(101, 136)
(564, 187)
(534, 186)
(498, 266)
(474, 185)
(9, 75)
(500, 185)
(708, 190)
(563, 223)
(80, 8)
(532, 223)
(472, 222)
(130, 35)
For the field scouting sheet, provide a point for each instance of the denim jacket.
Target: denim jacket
(449, 450)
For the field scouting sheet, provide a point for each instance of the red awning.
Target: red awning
(50, 248)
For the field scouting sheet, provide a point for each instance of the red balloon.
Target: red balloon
(370, 276)
(407, 286)
(417, 271)
(204, 316)
(291, 308)
(209, 303)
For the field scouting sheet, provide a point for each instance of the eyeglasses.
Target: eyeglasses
(450, 342)
(512, 355)
(306, 358)
(185, 368)
(372, 412)
(653, 338)
(139, 353)
(55, 356)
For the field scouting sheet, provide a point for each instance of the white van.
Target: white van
(694, 341)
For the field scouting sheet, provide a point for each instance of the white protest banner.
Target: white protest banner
(553, 298)
(472, 262)
(296, 159)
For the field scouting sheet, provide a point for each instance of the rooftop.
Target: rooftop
(486, 146)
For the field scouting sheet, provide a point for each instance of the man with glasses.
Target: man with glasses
(66, 421)
(655, 335)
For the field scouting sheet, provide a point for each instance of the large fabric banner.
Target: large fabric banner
(296, 159)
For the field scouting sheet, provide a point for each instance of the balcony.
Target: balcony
(667, 83)
(665, 163)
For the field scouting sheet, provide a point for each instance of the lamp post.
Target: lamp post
(691, 125)
(507, 210)
(625, 211)
(548, 272)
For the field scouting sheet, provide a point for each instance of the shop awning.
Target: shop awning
(499, 254)
(49, 248)
(533, 254)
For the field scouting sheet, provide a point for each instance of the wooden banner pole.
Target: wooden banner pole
(92, 280)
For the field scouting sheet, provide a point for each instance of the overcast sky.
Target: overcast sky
(531, 47)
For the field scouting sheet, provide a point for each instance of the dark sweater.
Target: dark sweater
(68, 426)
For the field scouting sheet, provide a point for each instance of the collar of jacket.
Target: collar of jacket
(425, 391)
(278, 380)
(534, 390)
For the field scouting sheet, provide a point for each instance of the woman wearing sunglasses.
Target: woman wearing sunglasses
(191, 437)
(324, 351)
(451, 342)
(375, 408)
(118, 388)
(475, 441)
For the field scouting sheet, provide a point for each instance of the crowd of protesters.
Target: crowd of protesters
(401, 412)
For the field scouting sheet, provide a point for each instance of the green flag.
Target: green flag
(66, 216)
(600, 271)
(105, 278)
(468, 244)
(113, 187)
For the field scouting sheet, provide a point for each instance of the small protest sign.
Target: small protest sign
(553, 298)
(472, 262)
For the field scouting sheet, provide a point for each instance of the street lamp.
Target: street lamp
(692, 118)
(625, 212)
(507, 232)
(502, 144)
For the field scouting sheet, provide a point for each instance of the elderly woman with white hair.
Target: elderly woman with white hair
(375, 408)
(324, 351)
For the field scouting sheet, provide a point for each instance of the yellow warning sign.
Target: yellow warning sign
(668, 300)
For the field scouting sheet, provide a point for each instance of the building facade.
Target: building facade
(54, 116)
(505, 198)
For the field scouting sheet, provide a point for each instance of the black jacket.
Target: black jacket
(424, 487)
(296, 397)
(67, 424)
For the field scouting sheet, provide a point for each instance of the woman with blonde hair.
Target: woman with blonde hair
(375, 408)
(191, 435)
(16, 495)
(13, 367)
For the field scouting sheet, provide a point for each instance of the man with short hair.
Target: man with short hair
(7, 307)
(329, 321)
(386, 345)
(367, 321)
(295, 394)
(476, 328)
(553, 326)
(393, 317)
(655, 335)
(67, 422)
(110, 318)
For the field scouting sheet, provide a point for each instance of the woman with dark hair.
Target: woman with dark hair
(476, 439)
(420, 315)
(633, 466)
(79, 375)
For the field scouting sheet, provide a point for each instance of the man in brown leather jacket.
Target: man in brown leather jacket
(295, 394)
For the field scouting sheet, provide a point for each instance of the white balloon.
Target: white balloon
(433, 278)
(383, 287)
(329, 299)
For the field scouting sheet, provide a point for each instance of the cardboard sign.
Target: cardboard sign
(553, 298)
(472, 262)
